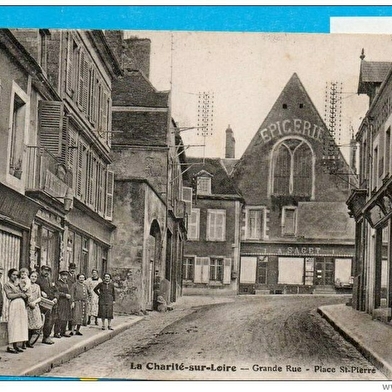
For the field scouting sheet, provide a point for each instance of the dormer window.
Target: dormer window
(203, 183)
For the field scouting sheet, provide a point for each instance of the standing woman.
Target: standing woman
(17, 313)
(105, 291)
(91, 283)
(79, 300)
(34, 317)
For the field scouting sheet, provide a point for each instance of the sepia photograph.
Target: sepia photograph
(195, 205)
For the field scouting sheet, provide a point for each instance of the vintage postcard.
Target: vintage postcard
(195, 205)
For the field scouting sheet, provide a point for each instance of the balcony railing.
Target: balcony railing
(44, 173)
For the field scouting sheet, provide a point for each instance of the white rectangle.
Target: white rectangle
(291, 270)
(248, 270)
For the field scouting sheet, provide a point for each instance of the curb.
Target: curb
(58, 359)
(366, 351)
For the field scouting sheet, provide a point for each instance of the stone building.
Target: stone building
(55, 126)
(371, 203)
(149, 210)
(296, 235)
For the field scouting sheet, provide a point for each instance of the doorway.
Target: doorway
(324, 271)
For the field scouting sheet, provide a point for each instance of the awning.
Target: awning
(17, 208)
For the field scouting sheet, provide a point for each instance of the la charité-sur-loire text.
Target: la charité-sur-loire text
(154, 366)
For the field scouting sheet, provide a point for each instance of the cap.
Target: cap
(64, 273)
(45, 267)
(72, 265)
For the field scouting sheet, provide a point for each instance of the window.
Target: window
(375, 167)
(292, 169)
(387, 150)
(43, 49)
(262, 263)
(216, 269)
(309, 270)
(216, 225)
(17, 136)
(203, 185)
(289, 220)
(254, 223)
(194, 225)
(188, 269)
(291, 270)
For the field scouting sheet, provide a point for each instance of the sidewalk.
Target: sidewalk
(43, 357)
(372, 338)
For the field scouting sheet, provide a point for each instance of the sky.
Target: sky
(246, 73)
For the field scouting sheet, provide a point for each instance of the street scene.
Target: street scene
(249, 333)
(180, 205)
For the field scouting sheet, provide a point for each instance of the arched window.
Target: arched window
(292, 169)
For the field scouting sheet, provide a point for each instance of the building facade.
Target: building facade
(56, 106)
(212, 251)
(296, 235)
(149, 210)
(371, 202)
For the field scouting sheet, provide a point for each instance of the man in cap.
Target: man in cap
(49, 291)
(71, 280)
(1, 292)
(63, 306)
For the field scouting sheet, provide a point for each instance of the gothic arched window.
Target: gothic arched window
(292, 169)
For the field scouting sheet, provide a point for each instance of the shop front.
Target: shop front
(296, 269)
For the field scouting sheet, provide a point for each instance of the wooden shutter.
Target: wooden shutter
(64, 141)
(105, 114)
(227, 270)
(81, 78)
(72, 155)
(205, 275)
(187, 198)
(50, 124)
(86, 84)
(80, 171)
(109, 194)
(69, 69)
(198, 269)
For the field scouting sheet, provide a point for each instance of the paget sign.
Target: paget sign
(292, 126)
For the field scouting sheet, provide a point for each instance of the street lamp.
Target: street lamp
(68, 199)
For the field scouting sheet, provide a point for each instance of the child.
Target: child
(24, 281)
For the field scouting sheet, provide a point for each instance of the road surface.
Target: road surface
(251, 338)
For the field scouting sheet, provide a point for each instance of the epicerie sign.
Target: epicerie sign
(288, 126)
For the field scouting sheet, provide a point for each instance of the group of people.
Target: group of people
(38, 304)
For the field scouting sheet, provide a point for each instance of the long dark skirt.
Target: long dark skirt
(79, 313)
(105, 310)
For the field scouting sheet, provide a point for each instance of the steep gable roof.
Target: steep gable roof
(372, 72)
(221, 183)
(134, 89)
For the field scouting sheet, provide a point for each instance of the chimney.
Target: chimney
(114, 38)
(136, 55)
(230, 143)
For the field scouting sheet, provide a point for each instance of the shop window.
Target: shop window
(309, 270)
(216, 225)
(188, 269)
(46, 243)
(194, 225)
(254, 223)
(291, 270)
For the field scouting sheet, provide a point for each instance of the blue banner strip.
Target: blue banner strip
(290, 19)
